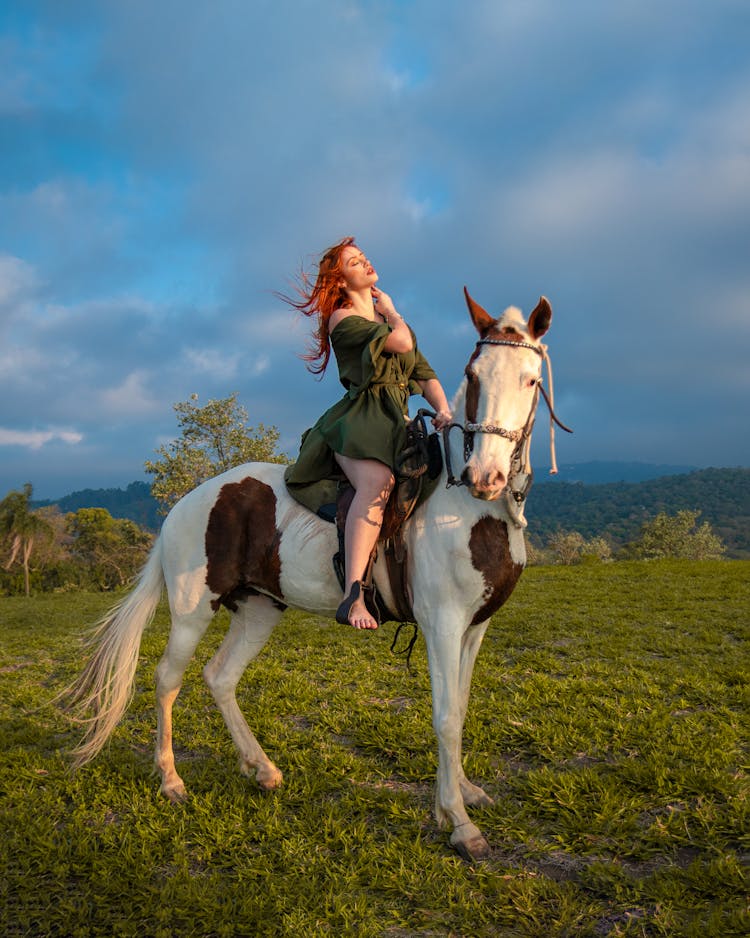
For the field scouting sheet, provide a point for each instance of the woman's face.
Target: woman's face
(356, 271)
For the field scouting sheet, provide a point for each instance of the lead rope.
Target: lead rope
(553, 418)
(551, 404)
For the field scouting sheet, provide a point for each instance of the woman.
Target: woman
(362, 436)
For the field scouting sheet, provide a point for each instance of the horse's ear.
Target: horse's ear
(482, 320)
(540, 318)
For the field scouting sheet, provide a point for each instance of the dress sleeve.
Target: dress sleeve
(422, 371)
(358, 345)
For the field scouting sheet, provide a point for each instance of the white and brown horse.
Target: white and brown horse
(240, 540)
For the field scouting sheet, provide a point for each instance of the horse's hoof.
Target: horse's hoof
(175, 794)
(473, 848)
(269, 778)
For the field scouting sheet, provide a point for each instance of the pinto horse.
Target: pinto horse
(240, 540)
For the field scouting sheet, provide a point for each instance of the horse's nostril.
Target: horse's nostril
(468, 475)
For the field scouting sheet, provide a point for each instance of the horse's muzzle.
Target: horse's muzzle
(485, 485)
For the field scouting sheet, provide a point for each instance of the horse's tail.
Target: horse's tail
(100, 696)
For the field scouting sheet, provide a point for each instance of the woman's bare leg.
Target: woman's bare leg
(373, 483)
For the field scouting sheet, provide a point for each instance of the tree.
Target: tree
(54, 568)
(597, 548)
(214, 438)
(566, 545)
(111, 549)
(21, 529)
(676, 536)
(570, 547)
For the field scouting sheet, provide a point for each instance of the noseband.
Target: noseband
(519, 462)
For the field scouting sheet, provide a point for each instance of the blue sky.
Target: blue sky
(166, 166)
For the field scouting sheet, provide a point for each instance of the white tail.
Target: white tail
(102, 693)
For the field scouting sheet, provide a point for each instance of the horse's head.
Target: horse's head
(502, 390)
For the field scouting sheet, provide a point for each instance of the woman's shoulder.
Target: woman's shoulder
(348, 317)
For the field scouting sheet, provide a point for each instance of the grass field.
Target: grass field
(609, 721)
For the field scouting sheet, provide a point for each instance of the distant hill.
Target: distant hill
(134, 502)
(615, 509)
(618, 509)
(597, 473)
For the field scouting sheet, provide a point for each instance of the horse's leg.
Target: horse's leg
(444, 653)
(251, 626)
(473, 795)
(187, 630)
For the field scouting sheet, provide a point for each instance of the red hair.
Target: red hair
(321, 299)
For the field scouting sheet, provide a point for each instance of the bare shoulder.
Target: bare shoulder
(338, 315)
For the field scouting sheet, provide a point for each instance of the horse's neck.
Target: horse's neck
(458, 403)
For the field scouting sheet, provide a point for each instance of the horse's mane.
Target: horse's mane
(511, 326)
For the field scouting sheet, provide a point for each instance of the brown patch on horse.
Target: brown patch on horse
(490, 555)
(471, 405)
(508, 334)
(242, 544)
(495, 330)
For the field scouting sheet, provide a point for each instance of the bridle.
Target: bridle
(520, 466)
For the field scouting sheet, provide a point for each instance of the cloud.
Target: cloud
(36, 439)
(129, 399)
(17, 279)
(595, 153)
(211, 361)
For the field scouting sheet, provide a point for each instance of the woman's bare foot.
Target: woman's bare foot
(353, 609)
(359, 616)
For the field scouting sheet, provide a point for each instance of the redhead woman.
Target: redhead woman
(361, 437)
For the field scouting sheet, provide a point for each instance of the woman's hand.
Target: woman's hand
(441, 419)
(400, 339)
(384, 306)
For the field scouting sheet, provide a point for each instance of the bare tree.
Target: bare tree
(21, 529)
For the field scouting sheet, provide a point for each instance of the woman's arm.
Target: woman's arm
(400, 339)
(433, 393)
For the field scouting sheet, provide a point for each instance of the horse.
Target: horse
(240, 540)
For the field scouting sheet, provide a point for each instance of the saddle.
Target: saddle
(417, 473)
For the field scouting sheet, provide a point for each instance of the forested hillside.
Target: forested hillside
(134, 502)
(617, 510)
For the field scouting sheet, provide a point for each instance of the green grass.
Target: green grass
(609, 721)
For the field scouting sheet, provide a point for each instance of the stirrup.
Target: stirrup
(359, 589)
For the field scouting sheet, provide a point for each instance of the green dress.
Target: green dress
(369, 422)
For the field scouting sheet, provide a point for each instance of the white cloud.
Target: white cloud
(36, 439)
(260, 365)
(212, 361)
(596, 153)
(569, 197)
(17, 278)
(129, 399)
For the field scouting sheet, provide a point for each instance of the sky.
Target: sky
(166, 167)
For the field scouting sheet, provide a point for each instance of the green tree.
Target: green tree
(566, 546)
(21, 529)
(54, 568)
(676, 536)
(597, 548)
(213, 438)
(112, 550)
